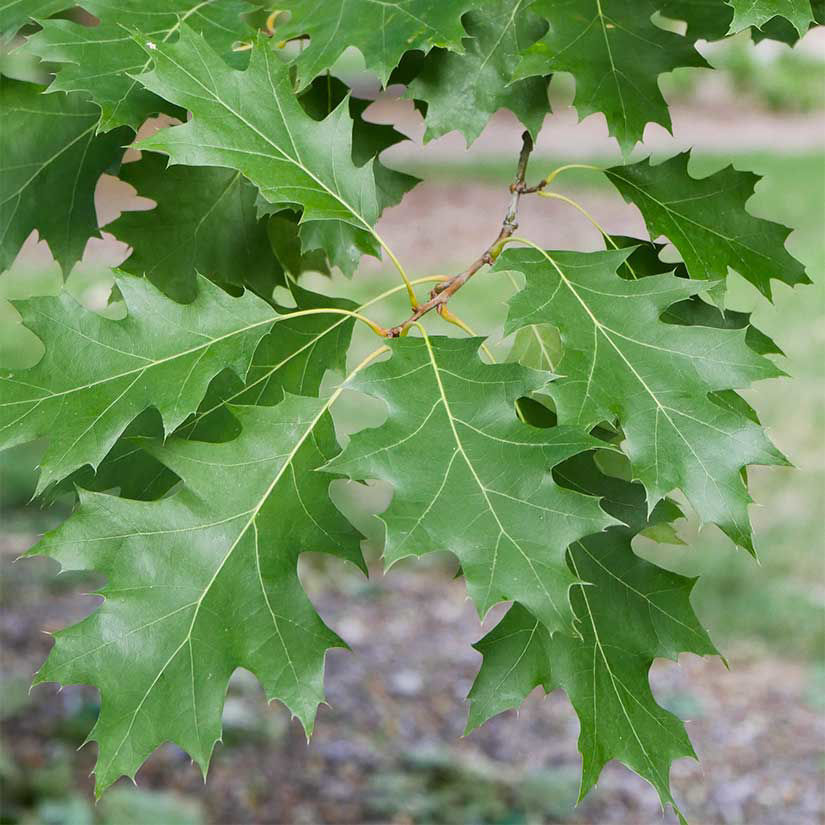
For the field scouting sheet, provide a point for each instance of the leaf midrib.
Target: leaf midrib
(483, 488)
(613, 679)
(659, 406)
(296, 161)
(178, 23)
(666, 207)
(144, 367)
(249, 523)
(643, 596)
(41, 166)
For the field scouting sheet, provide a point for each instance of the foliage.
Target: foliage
(196, 432)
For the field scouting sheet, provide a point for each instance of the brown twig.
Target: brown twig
(529, 190)
(445, 290)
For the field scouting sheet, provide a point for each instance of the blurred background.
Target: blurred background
(388, 747)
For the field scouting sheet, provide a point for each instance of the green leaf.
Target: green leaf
(205, 222)
(663, 534)
(616, 54)
(102, 60)
(293, 358)
(517, 655)
(285, 240)
(630, 613)
(322, 97)
(695, 312)
(711, 20)
(382, 32)
(463, 91)
(251, 121)
(369, 139)
(607, 681)
(622, 362)
(706, 220)
(537, 346)
(706, 19)
(644, 260)
(14, 14)
(469, 477)
(97, 375)
(127, 467)
(758, 12)
(202, 583)
(49, 154)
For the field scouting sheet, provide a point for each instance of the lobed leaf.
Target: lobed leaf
(706, 220)
(469, 477)
(616, 54)
(758, 12)
(97, 375)
(622, 362)
(711, 20)
(50, 155)
(202, 583)
(15, 14)
(464, 90)
(382, 30)
(706, 19)
(630, 612)
(293, 358)
(205, 222)
(205, 416)
(644, 260)
(369, 139)
(252, 122)
(101, 60)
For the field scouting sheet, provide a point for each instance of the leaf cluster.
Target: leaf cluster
(196, 434)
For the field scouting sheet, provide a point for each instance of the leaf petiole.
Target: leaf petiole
(577, 205)
(546, 182)
(378, 330)
(452, 318)
(392, 256)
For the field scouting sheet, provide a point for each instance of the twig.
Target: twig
(544, 182)
(444, 291)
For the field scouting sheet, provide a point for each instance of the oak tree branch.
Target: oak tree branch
(446, 289)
